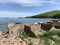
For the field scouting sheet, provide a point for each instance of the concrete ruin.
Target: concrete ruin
(32, 30)
(15, 29)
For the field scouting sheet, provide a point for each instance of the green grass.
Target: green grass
(49, 35)
(23, 36)
(57, 42)
(30, 43)
(46, 36)
(46, 42)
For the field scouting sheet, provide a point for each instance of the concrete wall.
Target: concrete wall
(30, 29)
(57, 26)
(35, 28)
(46, 26)
(29, 32)
(17, 30)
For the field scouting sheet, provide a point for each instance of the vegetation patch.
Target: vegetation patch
(30, 43)
(23, 36)
(49, 34)
(52, 35)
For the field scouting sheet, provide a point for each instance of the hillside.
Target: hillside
(51, 14)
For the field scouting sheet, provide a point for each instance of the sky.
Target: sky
(23, 8)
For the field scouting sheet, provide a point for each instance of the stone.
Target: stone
(1, 33)
(11, 26)
(46, 26)
(17, 30)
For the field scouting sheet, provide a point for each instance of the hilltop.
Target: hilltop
(50, 14)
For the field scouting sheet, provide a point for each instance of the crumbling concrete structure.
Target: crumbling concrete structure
(35, 28)
(46, 26)
(32, 29)
(15, 29)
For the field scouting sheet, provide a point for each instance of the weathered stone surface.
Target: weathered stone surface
(35, 28)
(11, 40)
(17, 30)
(1, 33)
(11, 26)
(57, 25)
(46, 26)
(51, 42)
(29, 32)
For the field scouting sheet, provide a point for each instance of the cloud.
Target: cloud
(22, 8)
(31, 2)
(13, 14)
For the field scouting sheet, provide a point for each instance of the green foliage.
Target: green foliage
(57, 43)
(46, 42)
(23, 36)
(51, 14)
(30, 43)
(50, 34)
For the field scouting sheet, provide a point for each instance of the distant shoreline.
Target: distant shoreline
(51, 14)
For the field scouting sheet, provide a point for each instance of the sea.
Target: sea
(4, 21)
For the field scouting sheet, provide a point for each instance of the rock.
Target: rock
(46, 26)
(53, 28)
(57, 25)
(51, 42)
(1, 33)
(16, 30)
(56, 37)
(29, 32)
(11, 25)
(36, 40)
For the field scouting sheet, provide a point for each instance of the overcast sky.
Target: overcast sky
(22, 8)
